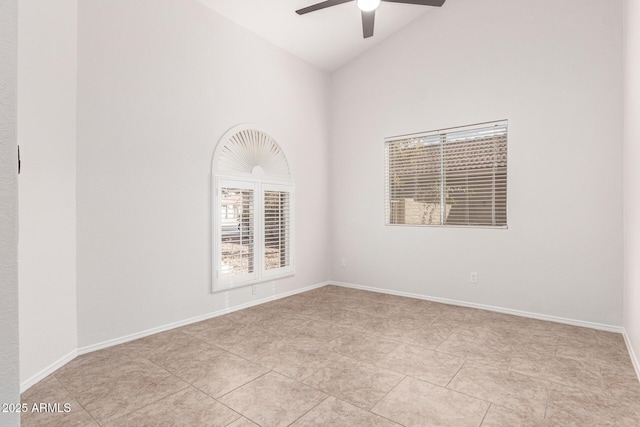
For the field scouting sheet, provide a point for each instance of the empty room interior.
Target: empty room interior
(231, 214)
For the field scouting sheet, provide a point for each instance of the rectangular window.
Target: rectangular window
(452, 177)
(252, 232)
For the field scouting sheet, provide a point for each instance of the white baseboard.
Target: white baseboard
(26, 385)
(206, 316)
(632, 353)
(109, 343)
(581, 323)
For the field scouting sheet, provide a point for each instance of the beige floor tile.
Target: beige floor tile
(408, 320)
(416, 345)
(357, 382)
(60, 408)
(361, 346)
(621, 384)
(253, 315)
(217, 375)
(100, 367)
(560, 370)
(187, 408)
(374, 308)
(388, 298)
(87, 370)
(136, 386)
(337, 413)
(465, 314)
(571, 407)
(601, 350)
(211, 328)
(48, 389)
(348, 318)
(428, 335)
(243, 422)
(178, 359)
(498, 416)
(297, 362)
(423, 364)
(315, 332)
(248, 342)
(76, 417)
(282, 324)
(420, 404)
(273, 400)
(478, 346)
(162, 342)
(510, 337)
(509, 389)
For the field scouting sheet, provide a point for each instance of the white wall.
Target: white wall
(9, 337)
(632, 176)
(47, 77)
(552, 68)
(159, 82)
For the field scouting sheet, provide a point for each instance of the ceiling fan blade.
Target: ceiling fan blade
(321, 5)
(436, 3)
(368, 19)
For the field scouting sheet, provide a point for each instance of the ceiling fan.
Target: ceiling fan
(368, 8)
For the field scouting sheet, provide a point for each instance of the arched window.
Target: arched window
(253, 221)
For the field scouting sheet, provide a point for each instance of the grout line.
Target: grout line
(367, 332)
(387, 393)
(546, 403)
(485, 414)
(74, 397)
(148, 404)
(311, 409)
(454, 375)
(242, 385)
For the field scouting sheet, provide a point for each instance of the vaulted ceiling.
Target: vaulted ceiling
(327, 38)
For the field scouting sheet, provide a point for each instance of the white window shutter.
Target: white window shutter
(253, 211)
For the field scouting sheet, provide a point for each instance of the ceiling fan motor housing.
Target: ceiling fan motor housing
(368, 9)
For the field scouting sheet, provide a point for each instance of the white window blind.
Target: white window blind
(453, 177)
(277, 229)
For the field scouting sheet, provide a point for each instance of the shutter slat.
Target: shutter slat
(277, 230)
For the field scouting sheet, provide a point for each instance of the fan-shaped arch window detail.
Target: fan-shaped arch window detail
(251, 152)
(253, 207)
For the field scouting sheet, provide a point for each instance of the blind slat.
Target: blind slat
(454, 177)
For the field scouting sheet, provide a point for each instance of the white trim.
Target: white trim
(632, 354)
(248, 126)
(152, 331)
(581, 323)
(26, 385)
(503, 122)
(110, 343)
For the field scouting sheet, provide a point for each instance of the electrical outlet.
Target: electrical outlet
(343, 262)
(474, 277)
(254, 289)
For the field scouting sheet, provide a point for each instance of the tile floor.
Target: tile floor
(342, 357)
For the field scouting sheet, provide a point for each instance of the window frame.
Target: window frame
(442, 135)
(260, 274)
(286, 270)
(247, 156)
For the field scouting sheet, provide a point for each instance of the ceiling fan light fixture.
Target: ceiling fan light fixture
(368, 5)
